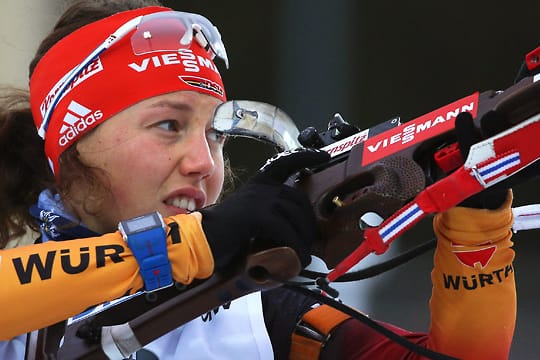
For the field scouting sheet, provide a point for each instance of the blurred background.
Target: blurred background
(369, 61)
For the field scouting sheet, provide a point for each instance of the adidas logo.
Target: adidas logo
(77, 119)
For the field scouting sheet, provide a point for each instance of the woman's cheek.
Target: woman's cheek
(215, 182)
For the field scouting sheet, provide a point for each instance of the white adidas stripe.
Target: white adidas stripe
(76, 112)
(78, 109)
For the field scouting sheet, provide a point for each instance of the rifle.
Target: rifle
(371, 175)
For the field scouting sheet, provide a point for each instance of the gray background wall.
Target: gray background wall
(369, 61)
(23, 23)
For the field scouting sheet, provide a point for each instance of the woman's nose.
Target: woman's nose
(196, 159)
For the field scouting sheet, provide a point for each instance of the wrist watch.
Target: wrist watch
(147, 238)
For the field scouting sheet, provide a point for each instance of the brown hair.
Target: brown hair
(23, 165)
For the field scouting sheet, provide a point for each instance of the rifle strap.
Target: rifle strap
(313, 331)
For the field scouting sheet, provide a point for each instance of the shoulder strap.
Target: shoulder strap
(313, 331)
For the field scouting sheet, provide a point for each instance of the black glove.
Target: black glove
(491, 123)
(468, 135)
(265, 213)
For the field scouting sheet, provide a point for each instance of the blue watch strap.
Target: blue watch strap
(149, 246)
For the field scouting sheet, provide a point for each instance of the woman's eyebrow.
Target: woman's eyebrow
(179, 105)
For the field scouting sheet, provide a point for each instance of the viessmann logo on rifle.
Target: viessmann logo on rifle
(417, 130)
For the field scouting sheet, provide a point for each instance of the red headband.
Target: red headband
(114, 81)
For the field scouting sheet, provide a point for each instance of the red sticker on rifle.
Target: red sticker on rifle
(418, 130)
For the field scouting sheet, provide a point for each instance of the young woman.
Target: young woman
(128, 133)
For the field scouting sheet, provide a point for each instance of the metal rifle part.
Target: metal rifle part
(256, 120)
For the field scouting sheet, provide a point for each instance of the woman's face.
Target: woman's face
(160, 154)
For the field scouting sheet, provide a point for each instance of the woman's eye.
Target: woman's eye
(215, 136)
(169, 125)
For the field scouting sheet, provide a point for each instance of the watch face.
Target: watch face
(142, 223)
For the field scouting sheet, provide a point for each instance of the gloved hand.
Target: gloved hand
(265, 213)
(491, 123)
(468, 135)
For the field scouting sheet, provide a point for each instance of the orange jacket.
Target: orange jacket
(62, 279)
(473, 302)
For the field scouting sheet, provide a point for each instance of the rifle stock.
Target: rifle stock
(387, 170)
(94, 337)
